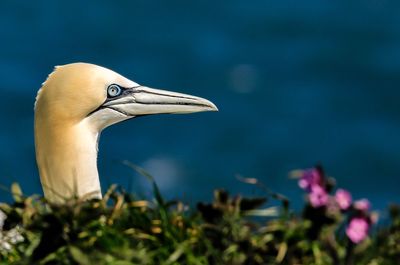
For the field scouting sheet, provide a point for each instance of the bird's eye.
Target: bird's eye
(114, 90)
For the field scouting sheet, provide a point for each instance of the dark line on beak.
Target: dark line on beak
(119, 111)
(173, 104)
(160, 94)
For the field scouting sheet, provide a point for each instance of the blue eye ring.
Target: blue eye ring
(114, 91)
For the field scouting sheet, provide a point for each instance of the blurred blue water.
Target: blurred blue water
(296, 82)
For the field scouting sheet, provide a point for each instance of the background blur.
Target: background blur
(296, 82)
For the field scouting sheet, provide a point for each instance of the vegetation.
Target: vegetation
(122, 229)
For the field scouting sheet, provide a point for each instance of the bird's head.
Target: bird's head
(77, 91)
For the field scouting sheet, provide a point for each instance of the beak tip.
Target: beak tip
(212, 106)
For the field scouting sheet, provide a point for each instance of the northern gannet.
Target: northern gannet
(73, 106)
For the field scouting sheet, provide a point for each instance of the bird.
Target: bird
(75, 103)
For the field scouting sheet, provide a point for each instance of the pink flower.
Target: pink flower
(357, 230)
(362, 205)
(343, 199)
(318, 196)
(310, 178)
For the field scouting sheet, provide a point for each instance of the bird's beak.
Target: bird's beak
(143, 100)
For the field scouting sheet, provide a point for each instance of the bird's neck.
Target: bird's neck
(67, 159)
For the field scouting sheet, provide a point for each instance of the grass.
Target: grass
(122, 229)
